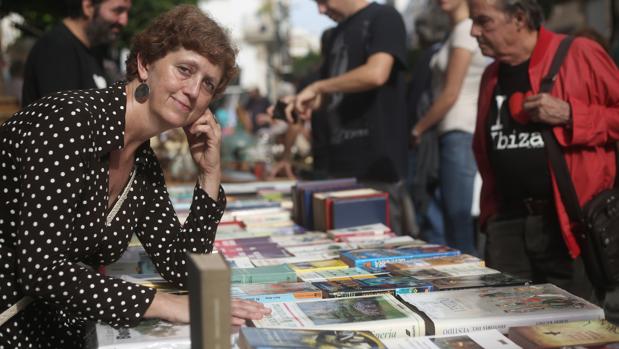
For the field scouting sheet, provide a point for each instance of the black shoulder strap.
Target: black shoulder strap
(553, 149)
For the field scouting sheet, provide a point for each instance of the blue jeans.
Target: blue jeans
(457, 175)
(430, 222)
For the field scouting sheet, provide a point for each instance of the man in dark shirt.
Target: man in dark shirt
(361, 95)
(69, 56)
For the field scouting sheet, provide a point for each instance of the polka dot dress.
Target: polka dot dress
(54, 159)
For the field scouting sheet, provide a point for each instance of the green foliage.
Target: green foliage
(301, 66)
(143, 11)
(40, 15)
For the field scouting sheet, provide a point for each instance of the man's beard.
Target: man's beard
(99, 31)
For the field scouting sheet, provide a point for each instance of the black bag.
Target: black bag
(596, 225)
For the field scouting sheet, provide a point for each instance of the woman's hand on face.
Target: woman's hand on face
(204, 137)
(242, 310)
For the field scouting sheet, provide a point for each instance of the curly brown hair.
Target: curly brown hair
(184, 26)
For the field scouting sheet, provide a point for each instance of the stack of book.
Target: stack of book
(363, 284)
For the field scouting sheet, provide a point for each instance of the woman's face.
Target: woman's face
(182, 84)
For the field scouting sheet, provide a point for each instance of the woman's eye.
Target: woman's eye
(184, 70)
(210, 87)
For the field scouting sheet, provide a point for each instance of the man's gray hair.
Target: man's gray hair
(530, 8)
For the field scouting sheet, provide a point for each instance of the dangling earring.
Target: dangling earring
(141, 92)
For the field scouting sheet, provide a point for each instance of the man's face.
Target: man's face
(495, 31)
(334, 9)
(109, 18)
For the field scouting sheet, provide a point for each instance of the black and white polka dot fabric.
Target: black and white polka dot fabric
(53, 207)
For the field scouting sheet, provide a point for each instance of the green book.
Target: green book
(265, 275)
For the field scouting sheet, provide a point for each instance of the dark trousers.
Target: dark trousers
(531, 246)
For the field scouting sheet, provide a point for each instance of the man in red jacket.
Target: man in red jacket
(527, 228)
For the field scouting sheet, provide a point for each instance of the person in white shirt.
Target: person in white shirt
(456, 72)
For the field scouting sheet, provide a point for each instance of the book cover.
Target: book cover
(476, 281)
(339, 274)
(149, 333)
(364, 230)
(262, 338)
(447, 271)
(491, 339)
(435, 262)
(364, 209)
(265, 274)
(464, 311)
(257, 252)
(320, 204)
(303, 196)
(384, 315)
(249, 241)
(576, 333)
(384, 284)
(316, 248)
(314, 266)
(377, 258)
(281, 292)
(209, 296)
(296, 259)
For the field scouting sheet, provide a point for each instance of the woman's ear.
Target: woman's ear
(88, 8)
(142, 69)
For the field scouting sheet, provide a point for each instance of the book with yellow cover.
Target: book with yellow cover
(314, 266)
(577, 333)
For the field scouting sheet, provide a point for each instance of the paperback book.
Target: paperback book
(281, 292)
(315, 266)
(593, 333)
(377, 258)
(476, 281)
(148, 334)
(361, 287)
(448, 271)
(384, 315)
(491, 339)
(339, 274)
(469, 310)
(266, 274)
(263, 338)
(436, 262)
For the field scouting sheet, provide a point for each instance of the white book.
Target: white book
(338, 274)
(491, 339)
(315, 248)
(470, 310)
(454, 270)
(149, 334)
(383, 315)
(377, 228)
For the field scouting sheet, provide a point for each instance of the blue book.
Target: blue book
(280, 292)
(302, 197)
(377, 258)
(362, 287)
(351, 212)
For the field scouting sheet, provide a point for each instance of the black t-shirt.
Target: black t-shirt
(58, 62)
(367, 130)
(517, 150)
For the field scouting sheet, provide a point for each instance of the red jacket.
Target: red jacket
(589, 81)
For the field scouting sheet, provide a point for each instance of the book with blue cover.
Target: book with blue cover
(377, 258)
(280, 292)
(361, 287)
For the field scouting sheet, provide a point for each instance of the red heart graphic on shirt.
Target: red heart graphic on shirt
(516, 110)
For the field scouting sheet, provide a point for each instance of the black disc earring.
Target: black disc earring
(141, 92)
